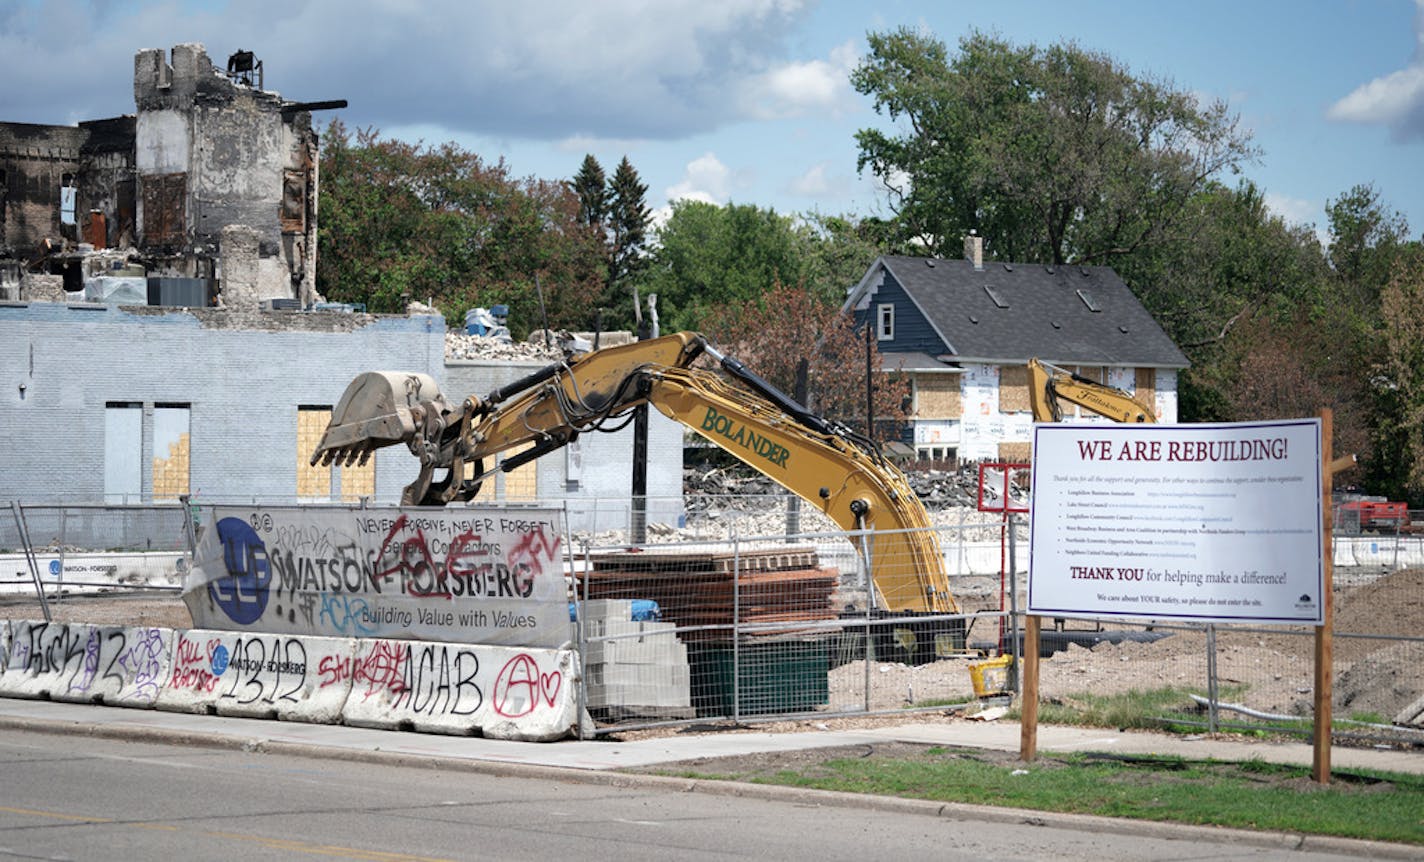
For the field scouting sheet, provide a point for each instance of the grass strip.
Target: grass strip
(1250, 795)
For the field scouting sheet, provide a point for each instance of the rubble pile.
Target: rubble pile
(937, 489)
(537, 348)
(461, 346)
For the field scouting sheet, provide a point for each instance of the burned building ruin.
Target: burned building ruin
(206, 195)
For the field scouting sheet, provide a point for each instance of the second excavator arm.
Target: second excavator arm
(1049, 386)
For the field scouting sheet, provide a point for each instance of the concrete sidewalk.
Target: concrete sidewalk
(605, 754)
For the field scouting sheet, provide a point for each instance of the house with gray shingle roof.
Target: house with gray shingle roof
(964, 330)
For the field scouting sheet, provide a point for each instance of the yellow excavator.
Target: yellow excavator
(835, 469)
(1050, 386)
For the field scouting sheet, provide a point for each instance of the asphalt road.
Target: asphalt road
(83, 797)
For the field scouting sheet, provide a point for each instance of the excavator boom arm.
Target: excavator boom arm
(840, 473)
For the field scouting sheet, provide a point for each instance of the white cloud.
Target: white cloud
(1294, 210)
(617, 69)
(800, 88)
(821, 183)
(1395, 100)
(706, 179)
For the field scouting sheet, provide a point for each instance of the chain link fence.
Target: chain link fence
(750, 609)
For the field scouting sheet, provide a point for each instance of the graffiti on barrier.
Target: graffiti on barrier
(521, 687)
(421, 678)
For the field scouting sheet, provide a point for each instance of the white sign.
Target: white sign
(1212, 523)
(484, 576)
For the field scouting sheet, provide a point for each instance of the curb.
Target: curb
(771, 793)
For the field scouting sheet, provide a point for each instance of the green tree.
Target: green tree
(788, 325)
(628, 220)
(1402, 378)
(834, 252)
(708, 256)
(590, 184)
(401, 221)
(1053, 155)
(1365, 243)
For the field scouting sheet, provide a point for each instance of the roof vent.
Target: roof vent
(929, 262)
(1083, 271)
(1008, 267)
(973, 319)
(1088, 300)
(1057, 325)
(1122, 329)
(1049, 269)
(999, 301)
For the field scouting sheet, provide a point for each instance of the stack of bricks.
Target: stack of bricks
(633, 668)
(708, 591)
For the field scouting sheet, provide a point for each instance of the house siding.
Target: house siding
(912, 331)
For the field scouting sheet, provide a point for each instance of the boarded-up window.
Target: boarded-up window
(171, 457)
(164, 198)
(1013, 389)
(313, 482)
(937, 397)
(522, 483)
(358, 481)
(1145, 387)
(1015, 453)
(1094, 373)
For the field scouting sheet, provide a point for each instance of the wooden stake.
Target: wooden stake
(1324, 649)
(1028, 737)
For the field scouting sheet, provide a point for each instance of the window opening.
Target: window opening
(885, 321)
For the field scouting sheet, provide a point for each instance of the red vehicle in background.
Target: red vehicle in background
(1372, 515)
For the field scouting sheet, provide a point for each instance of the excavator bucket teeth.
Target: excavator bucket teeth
(376, 411)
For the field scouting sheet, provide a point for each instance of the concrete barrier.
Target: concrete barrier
(460, 689)
(39, 655)
(119, 666)
(258, 676)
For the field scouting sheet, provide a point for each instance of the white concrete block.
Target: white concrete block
(659, 649)
(38, 655)
(119, 666)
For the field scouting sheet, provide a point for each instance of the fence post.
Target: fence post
(581, 633)
(1213, 716)
(30, 560)
(189, 532)
(63, 524)
(736, 631)
(869, 584)
(1014, 632)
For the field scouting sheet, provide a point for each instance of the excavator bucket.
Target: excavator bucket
(378, 408)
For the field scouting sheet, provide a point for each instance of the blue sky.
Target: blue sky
(747, 101)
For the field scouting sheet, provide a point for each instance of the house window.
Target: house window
(937, 454)
(885, 322)
(317, 482)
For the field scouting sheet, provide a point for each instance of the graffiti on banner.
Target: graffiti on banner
(463, 576)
